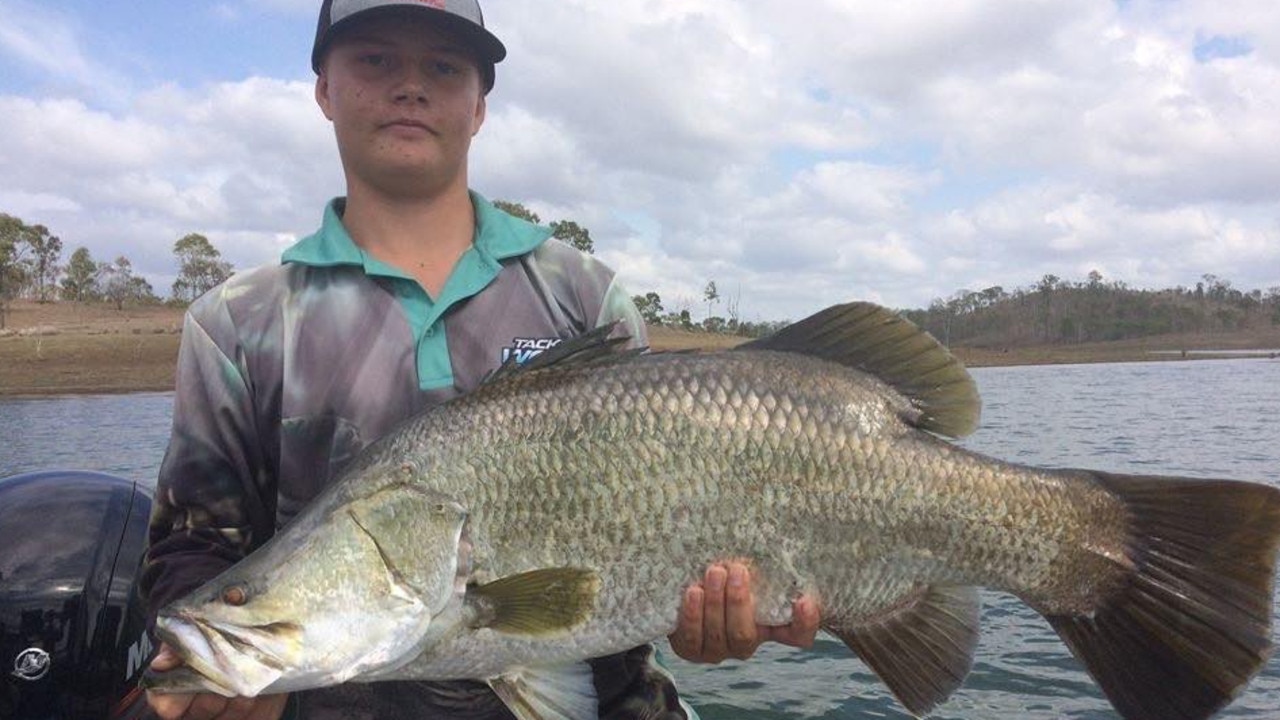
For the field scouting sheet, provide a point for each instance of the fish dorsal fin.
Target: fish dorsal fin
(923, 651)
(881, 342)
(538, 602)
(592, 346)
(565, 692)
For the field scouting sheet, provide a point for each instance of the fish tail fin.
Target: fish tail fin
(1191, 624)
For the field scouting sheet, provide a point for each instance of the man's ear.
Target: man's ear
(322, 93)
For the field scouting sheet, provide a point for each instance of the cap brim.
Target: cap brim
(488, 48)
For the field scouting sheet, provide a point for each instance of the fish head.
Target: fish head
(330, 598)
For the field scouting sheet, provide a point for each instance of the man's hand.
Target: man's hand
(718, 619)
(208, 706)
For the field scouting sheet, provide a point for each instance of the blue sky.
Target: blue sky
(895, 152)
(151, 43)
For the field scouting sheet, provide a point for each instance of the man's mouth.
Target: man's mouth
(409, 123)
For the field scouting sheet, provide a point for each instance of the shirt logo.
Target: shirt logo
(523, 350)
(31, 664)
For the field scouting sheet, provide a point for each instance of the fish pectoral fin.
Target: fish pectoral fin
(563, 692)
(538, 602)
(924, 650)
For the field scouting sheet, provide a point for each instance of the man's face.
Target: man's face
(405, 98)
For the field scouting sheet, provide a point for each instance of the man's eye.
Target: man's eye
(446, 68)
(374, 59)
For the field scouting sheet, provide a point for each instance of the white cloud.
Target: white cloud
(50, 42)
(796, 154)
(242, 163)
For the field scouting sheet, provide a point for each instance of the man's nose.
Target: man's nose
(414, 84)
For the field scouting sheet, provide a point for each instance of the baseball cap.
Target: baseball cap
(462, 17)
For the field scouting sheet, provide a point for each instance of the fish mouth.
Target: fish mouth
(226, 658)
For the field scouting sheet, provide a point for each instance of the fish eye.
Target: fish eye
(235, 595)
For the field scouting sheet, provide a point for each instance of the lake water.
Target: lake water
(1206, 418)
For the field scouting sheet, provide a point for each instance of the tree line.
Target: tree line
(31, 267)
(1054, 311)
(650, 304)
(1051, 311)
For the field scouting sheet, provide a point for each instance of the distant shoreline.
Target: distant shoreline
(79, 349)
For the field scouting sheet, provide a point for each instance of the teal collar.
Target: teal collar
(498, 236)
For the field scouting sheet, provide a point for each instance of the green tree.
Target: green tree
(1046, 287)
(566, 231)
(46, 249)
(650, 307)
(120, 285)
(680, 320)
(80, 281)
(520, 211)
(14, 265)
(711, 295)
(202, 267)
(571, 232)
(141, 291)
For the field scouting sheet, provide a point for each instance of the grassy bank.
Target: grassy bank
(69, 348)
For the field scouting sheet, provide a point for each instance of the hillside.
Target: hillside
(68, 348)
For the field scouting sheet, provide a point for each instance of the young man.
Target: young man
(412, 290)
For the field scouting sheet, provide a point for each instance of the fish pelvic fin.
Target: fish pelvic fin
(1191, 625)
(556, 693)
(879, 341)
(539, 602)
(923, 650)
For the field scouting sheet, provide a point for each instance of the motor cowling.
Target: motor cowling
(73, 638)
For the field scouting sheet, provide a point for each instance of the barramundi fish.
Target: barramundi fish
(559, 512)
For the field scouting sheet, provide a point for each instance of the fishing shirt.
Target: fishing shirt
(285, 372)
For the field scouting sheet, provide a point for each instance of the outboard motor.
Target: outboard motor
(73, 638)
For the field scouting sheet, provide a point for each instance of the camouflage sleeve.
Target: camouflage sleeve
(590, 291)
(209, 502)
(617, 306)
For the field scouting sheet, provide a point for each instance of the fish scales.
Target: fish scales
(559, 512)
(685, 460)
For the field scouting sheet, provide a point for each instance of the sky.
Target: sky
(797, 154)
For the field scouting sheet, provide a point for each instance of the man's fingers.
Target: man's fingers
(270, 707)
(236, 709)
(717, 619)
(207, 706)
(714, 646)
(686, 641)
(169, 707)
(742, 633)
(803, 630)
(203, 706)
(166, 659)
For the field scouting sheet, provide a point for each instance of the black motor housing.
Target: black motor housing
(73, 638)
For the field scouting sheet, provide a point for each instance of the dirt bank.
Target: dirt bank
(68, 348)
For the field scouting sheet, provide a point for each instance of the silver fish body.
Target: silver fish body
(559, 512)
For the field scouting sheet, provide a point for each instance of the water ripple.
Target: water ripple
(1194, 418)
